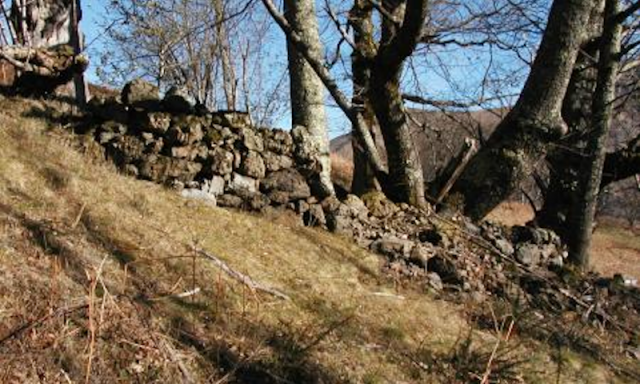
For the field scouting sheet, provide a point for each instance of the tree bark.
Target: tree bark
(354, 115)
(565, 157)
(521, 139)
(405, 182)
(307, 93)
(602, 110)
(360, 18)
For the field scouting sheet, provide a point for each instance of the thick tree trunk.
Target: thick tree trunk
(602, 109)
(565, 158)
(522, 138)
(364, 176)
(307, 93)
(405, 181)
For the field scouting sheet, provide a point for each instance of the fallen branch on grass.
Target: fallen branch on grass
(242, 278)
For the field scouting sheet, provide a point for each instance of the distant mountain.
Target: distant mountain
(439, 136)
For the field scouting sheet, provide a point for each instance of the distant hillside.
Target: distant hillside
(438, 136)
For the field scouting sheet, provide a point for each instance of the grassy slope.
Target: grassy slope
(91, 262)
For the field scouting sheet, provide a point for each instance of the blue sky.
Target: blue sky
(467, 67)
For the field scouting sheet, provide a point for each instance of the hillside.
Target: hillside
(103, 279)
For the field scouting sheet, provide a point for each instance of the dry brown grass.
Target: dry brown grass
(92, 264)
(341, 171)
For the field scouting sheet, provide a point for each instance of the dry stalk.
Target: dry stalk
(487, 373)
(92, 322)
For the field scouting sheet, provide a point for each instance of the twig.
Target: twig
(487, 372)
(173, 354)
(190, 293)
(79, 217)
(242, 278)
(92, 320)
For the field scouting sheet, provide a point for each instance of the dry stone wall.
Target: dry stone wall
(217, 156)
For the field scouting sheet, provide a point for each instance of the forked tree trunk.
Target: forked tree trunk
(602, 106)
(307, 94)
(522, 138)
(405, 181)
(565, 158)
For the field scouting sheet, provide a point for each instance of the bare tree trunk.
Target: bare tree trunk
(405, 181)
(602, 110)
(522, 138)
(307, 94)
(364, 176)
(565, 159)
(228, 71)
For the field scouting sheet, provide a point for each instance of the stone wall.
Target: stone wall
(217, 156)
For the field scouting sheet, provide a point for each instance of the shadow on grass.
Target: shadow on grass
(43, 235)
(281, 358)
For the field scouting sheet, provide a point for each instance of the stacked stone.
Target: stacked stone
(218, 156)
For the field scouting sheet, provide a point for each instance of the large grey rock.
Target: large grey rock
(434, 282)
(289, 181)
(199, 195)
(504, 246)
(253, 166)
(357, 207)
(125, 149)
(528, 254)
(251, 140)
(220, 161)
(274, 162)
(242, 185)
(185, 130)
(178, 100)
(164, 169)
(214, 186)
(393, 247)
(157, 123)
(141, 94)
(232, 119)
